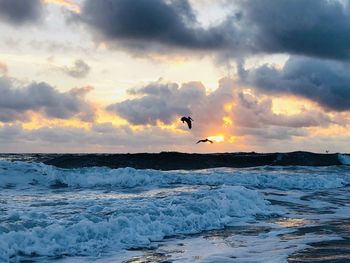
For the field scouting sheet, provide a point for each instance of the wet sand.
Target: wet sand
(330, 251)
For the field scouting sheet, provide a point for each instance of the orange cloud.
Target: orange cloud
(217, 138)
(291, 105)
(37, 121)
(3, 68)
(227, 121)
(244, 121)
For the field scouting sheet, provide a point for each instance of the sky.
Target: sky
(110, 76)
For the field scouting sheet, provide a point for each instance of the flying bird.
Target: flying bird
(205, 140)
(188, 120)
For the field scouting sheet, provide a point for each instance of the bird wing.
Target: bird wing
(189, 124)
(188, 121)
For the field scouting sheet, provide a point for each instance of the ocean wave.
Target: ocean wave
(344, 159)
(25, 174)
(133, 224)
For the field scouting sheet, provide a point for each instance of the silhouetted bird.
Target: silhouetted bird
(205, 140)
(188, 120)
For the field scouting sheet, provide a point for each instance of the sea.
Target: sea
(98, 214)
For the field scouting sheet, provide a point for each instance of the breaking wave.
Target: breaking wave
(128, 224)
(53, 212)
(14, 174)
(344, 159)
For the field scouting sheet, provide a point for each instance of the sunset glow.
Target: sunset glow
(143, 130)
(217, 138)
(70, 4)
(78, 69)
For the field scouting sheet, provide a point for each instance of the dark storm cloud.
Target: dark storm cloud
(15, 103)
(318, 28)
(18, 12)
(143, 23)
(79, 70)
(324, 82)
(159, 102)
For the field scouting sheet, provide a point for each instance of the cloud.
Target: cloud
(103, 137)
(250, 113)
(10, 132)
(19, 12)
(3, 68)
(316, 28)
(148, 24)
(266, 134)
(159, 102)
(79, 70)
(209, 112)
(167, 102)
(17, 102)
(324, 82)
(70, 4)
(254, 124)
(254, 119)
(254, 113)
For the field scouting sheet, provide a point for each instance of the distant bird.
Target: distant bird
(327, 151)
(205, 140)
(188, 120)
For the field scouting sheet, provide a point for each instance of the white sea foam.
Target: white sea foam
(344, 159)
(134, 224)
(103, 210)
(21, 173)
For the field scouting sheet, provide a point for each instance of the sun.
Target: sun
(217, 138)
